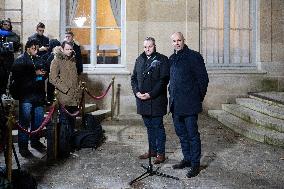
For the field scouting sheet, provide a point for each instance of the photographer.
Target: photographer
(29, 75)
(9, 43)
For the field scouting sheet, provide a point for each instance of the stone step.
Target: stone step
(134, 119)
(99, 114)
(263, 107)
(247, 129)
(273, 98)
(90, 108)
(255, 117)
(129, 119)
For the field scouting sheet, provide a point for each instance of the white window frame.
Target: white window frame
(93, 66)
(226, 38)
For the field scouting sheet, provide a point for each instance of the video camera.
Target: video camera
(6, 46)
(9, 44)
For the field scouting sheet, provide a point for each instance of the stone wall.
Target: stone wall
(160, 19)
(14, 14)
(47, 12)
(271, 31)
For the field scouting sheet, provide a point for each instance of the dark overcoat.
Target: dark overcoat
(188, 82)
(151, 76)
(30, 89)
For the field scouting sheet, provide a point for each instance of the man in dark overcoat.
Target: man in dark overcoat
(43, 41)
(29, 77)
(149, 84)
(187, 89)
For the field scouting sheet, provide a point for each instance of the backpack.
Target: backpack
(91, 136)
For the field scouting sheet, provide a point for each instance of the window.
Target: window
(104, 28)
(227, 32)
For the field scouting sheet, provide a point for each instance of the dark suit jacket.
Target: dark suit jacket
(153, 80)
(188, 82)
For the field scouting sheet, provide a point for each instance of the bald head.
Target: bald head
(179, 34)
(177, 41)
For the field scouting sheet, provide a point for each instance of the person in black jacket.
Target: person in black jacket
(48, 57)
(149, 84)
(43, 41)
(187, 89)
(29, 77)
(9, 44)
(69, 36)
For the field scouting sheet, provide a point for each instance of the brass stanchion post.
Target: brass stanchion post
(10, 123)
(83, 87)
(112, 97)
(55, 124)
(118, 98)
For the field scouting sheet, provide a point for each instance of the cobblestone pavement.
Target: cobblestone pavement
(228, 161)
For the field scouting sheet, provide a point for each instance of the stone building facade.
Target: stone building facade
(242, 41)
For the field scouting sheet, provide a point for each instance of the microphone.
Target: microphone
(151, 67)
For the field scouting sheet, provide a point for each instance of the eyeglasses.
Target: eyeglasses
(5, 24)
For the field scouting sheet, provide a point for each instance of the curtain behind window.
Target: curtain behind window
(116, 9)
(71, 9)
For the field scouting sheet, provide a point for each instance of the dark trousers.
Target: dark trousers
(187, 130)
(156, 133)
(50, 91)
(29, 116)
(67, 125)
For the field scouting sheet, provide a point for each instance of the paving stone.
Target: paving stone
(228, 161)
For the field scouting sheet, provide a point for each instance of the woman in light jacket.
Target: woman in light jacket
(63, 75)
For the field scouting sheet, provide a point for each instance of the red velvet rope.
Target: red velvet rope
(74, 114)
(43, 124)
(98, 97)
(67, 112)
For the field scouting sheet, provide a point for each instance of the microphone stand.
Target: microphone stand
(150, 171)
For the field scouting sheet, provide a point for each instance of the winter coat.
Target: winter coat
(188, 82)
(63, 75)
(151, 76)
(30, 87)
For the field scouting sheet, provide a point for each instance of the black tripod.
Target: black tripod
(149, 169)
(150, 172)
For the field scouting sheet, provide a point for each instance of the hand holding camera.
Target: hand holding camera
(43, 48)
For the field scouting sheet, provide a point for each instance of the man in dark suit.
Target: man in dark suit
(69, 36)
(42, 40)
(188, 87)
(149, 84)
(29, 77)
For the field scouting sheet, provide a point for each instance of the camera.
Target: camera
(6, 46)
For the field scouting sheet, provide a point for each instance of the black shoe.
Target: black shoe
(192, 172)
(26, 153)
(38, 146)
(181, 165)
